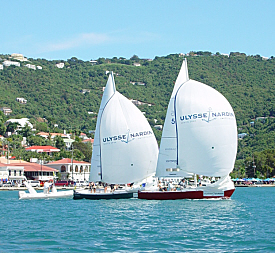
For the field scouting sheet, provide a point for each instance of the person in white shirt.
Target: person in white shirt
(47, 186)
(170, 186)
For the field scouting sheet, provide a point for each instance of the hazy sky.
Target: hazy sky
(61, 29)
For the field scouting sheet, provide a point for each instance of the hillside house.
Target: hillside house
(1, 67)
(30, 66)
(19, 57)
(21, 100)
(83, 91)
(89, 140)
(60, 65)
(7, 111)
(21, 123)
(68, 143)
(138, 83)
(43, 149)
(93, 62)
(137, 103)
(10, 63)
(53, 135)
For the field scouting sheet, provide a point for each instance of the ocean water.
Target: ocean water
(245, 223)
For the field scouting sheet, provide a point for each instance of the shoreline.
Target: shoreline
(256, 185)
(71, 188)
(14, 188)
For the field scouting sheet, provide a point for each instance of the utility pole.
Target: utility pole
(8, 161)
(42, 158)
(72, 162)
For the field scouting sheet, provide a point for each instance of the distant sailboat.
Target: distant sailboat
(199, 137)
(125, 148)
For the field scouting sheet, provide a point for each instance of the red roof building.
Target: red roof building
(53, 135)
(19, 170)
(40, 149)
(88, 140)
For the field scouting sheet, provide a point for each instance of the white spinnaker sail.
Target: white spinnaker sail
(109, 91)
(206, 130)
(167, 159)
(128, 145)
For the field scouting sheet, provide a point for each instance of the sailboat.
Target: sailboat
(199, 138)
(125, 149)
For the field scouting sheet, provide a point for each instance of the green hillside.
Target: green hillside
(248, 82)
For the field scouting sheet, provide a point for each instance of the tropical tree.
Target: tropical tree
(59, 142)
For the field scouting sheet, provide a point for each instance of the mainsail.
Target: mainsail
(126, 148)
(167, 159)
(95, 172)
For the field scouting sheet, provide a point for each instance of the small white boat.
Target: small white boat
(33, 194)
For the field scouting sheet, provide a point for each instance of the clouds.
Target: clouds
(81, 40)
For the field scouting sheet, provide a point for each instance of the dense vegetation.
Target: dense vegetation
(55, 95)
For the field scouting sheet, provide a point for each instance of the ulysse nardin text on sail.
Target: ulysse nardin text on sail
(125, 137)
(212, 115)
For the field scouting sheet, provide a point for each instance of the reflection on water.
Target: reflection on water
(239, 224)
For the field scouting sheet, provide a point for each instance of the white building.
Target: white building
(72, 170)
(9, 63)
(17, 170)
(21, 123)
(60, 65)
(19, 57)
(1, 67)
(93, 62)
(7, 111)
(38, 67)
(9, 172)
(68, 143)
(30, 66)
(21, 100)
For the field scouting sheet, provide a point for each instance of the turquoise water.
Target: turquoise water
(243, 224)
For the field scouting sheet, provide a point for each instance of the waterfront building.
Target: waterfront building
(72, 169)
(16, 171)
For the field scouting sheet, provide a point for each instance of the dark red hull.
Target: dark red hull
(158, 195)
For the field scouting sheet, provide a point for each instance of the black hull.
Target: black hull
(122, 195)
